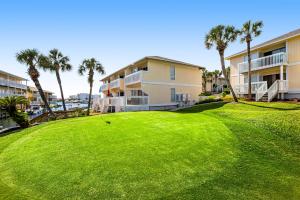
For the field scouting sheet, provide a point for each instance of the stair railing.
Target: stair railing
(261, 91)
(273, 90)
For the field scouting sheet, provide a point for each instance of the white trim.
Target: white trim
(294, 91)
(257, 48)
(294, 63)
(164, 104)
(171, 84)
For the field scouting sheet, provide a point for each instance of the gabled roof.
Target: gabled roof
(12, 75)
(270, 42)
(155, 58)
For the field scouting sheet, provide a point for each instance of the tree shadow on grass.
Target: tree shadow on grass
(201, 107)
(296, 107)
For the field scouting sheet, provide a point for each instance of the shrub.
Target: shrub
(205, 94)
(21, 119)
(227, 98)
(209, 100)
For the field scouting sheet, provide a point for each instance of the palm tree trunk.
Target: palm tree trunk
(41, 92)
(249, 71)
(226, 77)
(90, 97)
(61, 90)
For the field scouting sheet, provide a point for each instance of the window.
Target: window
(173, 95)
(172, 72)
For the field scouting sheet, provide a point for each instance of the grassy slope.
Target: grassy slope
(212, 151)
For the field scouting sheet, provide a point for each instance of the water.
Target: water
(70, 106)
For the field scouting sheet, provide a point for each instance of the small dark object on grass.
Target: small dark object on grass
(108, 122)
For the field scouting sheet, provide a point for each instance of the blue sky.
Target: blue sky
(119, 32)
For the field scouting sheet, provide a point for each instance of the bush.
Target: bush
(225, 92)
(205, 94)
(227, 98)
(209, 100)
(21, 119)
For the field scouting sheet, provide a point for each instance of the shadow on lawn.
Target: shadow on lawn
(202, 107)
(296, 107)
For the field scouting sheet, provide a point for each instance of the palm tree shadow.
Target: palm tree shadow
(297, 107)
(201, 107)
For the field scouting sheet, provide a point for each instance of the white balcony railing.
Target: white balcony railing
(104, 87)
(264, 62)
(135, 77)
(5, 82)
(115, 84)
(243, 89)
(5, 94)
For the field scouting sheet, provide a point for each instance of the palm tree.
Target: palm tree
(57, 62)
(215, 75)
(248, 32)
(10, 104)
(204, 77)
(32, 58)
(220, 36)
(90, 66)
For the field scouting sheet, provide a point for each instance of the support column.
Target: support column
(281, 78)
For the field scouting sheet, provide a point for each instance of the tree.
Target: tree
(32, 58)
(10, 104)
(57, 62)
(220, 36)
(204, 78)
(248, 32)
(90, 66)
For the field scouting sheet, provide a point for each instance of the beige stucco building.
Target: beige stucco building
(275, 69)
(151, 83)
(11, 84)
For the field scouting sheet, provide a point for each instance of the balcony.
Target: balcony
(13, 84)
(104, 87)
(133, 78)
(118, 83)
(264, 62)
(243, 89)
(5, 94)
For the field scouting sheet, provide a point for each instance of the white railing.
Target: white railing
(117, 101)
(283, 86)
(243, 89)
(14, 84)
(104, 87)
(137, 100)
(261, 91)
(279, 86)
(273, 91)
(135, 77)
(115, 83)
(5, 94)
(264, 62)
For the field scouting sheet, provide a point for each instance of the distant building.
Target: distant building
(12, 85)
(82, 97)
(35, 99)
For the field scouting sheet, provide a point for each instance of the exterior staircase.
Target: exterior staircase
(268, 94)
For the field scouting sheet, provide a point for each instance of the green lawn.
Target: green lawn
(215, 151)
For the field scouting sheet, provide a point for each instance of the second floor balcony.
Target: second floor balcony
(264, 62)
(13, 84)
(118, 83)
(104, 87)
(133, 78)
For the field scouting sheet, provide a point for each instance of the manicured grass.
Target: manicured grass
(214, 151)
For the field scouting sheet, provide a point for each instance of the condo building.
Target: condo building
(11, 84)
(151, 83)
(275, 69)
